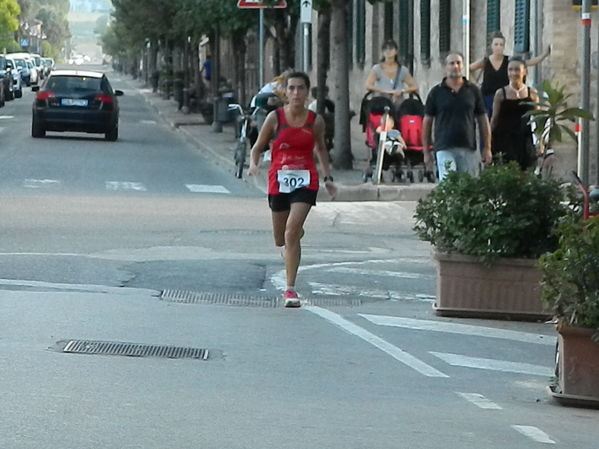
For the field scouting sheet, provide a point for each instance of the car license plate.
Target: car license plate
(73, 102)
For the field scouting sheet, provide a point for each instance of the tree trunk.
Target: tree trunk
(342, 154)
(324, 55)
(239, 51)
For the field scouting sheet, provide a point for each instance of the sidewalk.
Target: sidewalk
(220, 148)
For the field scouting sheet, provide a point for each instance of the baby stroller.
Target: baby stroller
(371, 118)
(410, 116)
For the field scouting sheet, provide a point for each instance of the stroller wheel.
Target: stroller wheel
(430, 176)
(420, 175)
(410, 176)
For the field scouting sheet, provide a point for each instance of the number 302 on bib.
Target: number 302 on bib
(290, 180)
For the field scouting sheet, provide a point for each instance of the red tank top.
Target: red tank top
(292, 156)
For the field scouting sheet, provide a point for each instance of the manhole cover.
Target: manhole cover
(233, 299)
(131, 349)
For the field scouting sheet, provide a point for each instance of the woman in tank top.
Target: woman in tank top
(494, 68)
(389, 78)
(292, 177)
(511, 133)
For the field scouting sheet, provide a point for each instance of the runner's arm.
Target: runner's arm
(320, 147)
(266, 133)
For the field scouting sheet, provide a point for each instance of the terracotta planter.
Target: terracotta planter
(507, 289)
(578, 379)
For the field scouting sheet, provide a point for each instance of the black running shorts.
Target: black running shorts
(282, 201)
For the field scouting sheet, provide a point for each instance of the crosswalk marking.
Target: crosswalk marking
(494, 365)
(125, 185)
(344, 290)
(395, 352)
(204, 188)
(385, 273)
(147, 122)
(480, 401)
(534, 433)
(463, 329)
(6, 117)
(31, 183)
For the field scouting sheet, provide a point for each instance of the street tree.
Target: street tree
(9, 20)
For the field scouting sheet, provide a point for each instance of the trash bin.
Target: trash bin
(222, 110)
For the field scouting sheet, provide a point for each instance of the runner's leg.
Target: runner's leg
(279, 223)
(293, 233)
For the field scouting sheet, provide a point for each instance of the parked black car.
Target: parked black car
(76, 100)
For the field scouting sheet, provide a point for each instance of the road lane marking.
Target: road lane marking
(347, 290)
(480, 401)
(30, 183)
(534, 433)
(494, 365)
(125, 185)
(383, 273)
(395, 352)
(463, 329)
(204, 188)
(6, 117)
(147, 122)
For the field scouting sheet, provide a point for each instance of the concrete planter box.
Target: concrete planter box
(507, 289)
(578, 373)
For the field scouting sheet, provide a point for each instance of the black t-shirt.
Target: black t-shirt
(455, 115)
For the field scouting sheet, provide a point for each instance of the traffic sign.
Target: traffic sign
(260, 4)
(306, 11)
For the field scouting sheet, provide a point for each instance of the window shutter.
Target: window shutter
(444, 26)
(404, 28)
(361, 31)
(349, 23)
(522, 26)
(493, 18)
(425, 30)
(388, 21)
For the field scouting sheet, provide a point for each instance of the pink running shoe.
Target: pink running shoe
(291, 299)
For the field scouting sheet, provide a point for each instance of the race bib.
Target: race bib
(290, 180)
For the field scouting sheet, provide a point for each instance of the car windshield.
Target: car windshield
(73, 83)
(20, 63)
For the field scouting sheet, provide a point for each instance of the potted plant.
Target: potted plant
(570, 288)
(488, 233)
(552, 119)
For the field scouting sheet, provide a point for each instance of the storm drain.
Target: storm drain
(132, 349)
(233, 299)
(229, 299)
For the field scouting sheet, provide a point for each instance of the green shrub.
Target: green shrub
(570, 283)
(502, 213)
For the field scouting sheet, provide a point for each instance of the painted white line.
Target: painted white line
(463, 329)
(348, 290)
(202, 188)
(395, 352)
(40, 183)
(88, 288)
(534, 433)
(383, 273)
(6, 117)
(147, 122)
(480, 401)
(120, 185)
(494, 365)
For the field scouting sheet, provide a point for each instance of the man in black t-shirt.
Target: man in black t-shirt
(455, 105)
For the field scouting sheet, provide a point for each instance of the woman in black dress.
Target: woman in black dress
(495, 69)
(511, 133)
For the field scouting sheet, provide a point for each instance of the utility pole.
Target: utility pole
(306, 20)
(583, 153)
(466, 35)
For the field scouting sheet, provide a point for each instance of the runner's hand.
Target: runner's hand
(253, 170)
(331, 189)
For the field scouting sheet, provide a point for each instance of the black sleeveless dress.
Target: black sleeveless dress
(512, 135)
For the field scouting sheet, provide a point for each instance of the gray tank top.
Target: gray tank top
(386, 83)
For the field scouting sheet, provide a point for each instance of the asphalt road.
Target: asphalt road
(93, 232)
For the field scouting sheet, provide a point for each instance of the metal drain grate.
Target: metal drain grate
(133, 349)
(232, 299)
